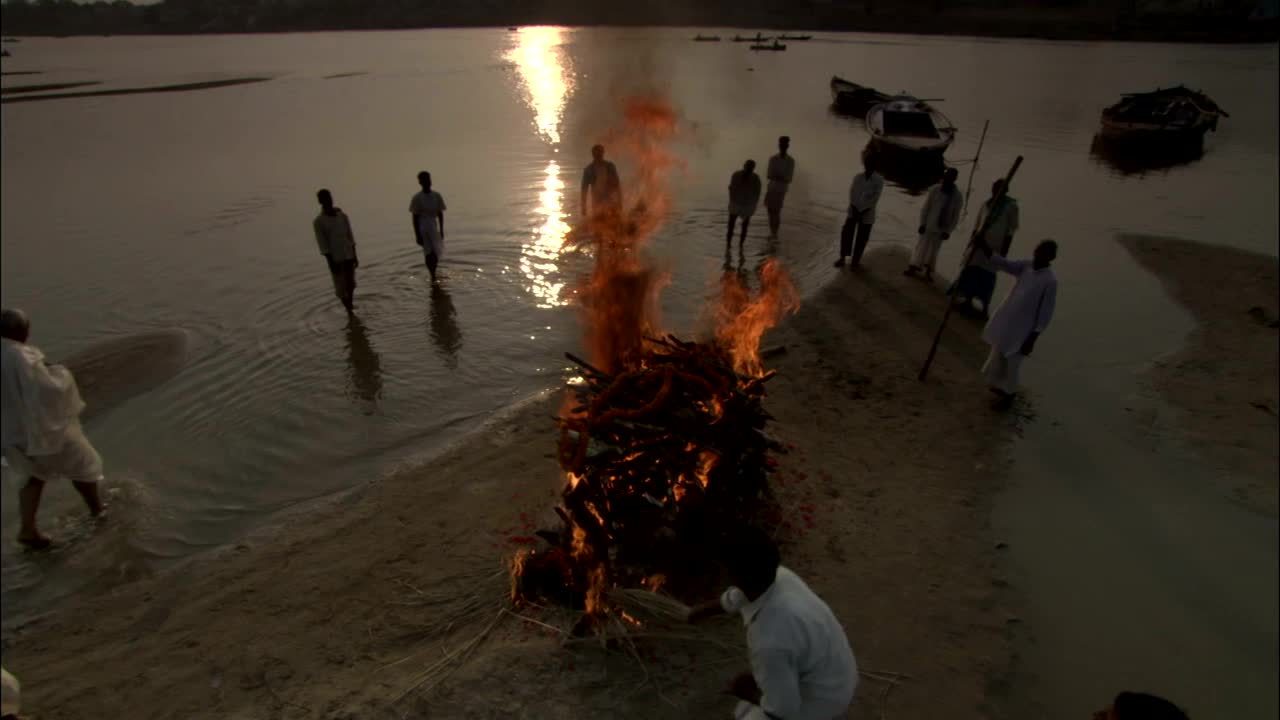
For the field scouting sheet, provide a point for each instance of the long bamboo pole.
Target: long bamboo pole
(955, 286)
(973, 168)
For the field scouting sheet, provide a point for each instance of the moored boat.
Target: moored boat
(797, 38)
(1176, 114)
(775, 47)
(909, 126)
(757, 39)
(706, 38)
(852, 98)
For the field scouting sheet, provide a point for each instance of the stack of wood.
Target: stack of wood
(662, 458)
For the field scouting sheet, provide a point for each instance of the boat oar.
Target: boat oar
(955, 286)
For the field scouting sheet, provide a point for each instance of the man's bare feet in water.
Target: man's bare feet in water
(35, 542)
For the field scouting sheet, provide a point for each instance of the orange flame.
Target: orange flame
(741, 320)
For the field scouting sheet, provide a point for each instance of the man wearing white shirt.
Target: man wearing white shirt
(782, 169)
(338, 246)
(427, 208)
(938, 218)
(1014, 328)
(864, 195)
(801, 664)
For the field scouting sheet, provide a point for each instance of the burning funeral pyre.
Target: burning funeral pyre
(662, 441)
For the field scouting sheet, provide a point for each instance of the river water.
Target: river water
(191, 211)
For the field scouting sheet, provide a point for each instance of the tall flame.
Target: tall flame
(742, 320)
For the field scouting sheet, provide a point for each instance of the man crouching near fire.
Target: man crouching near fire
(801, 664)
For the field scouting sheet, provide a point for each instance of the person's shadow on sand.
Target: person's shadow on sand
(444, 325)
(364, 364)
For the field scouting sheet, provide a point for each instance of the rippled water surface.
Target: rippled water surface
(192, 210)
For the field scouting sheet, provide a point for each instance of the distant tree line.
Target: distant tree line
(997, 17)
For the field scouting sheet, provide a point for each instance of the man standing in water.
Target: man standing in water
(864, 195)
(600, 184)
(40, 427)
(338, 246)
(782, 168)
(1013, 330)
(428, 209)
(978, 280)
(801, 665)
(938, 219)
(744, 196)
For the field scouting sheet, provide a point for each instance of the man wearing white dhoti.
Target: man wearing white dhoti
(40, 431)
(427, 208)
(781, 171)
(938, 219)
(1020, 319)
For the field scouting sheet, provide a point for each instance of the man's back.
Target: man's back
(795, 623)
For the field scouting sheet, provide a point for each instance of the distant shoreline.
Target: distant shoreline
(1012, 25)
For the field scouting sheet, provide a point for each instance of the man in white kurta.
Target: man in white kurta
(781, 171)
(40, 433)
(864, 196)
(801, 665)
(338, 246)
(1025, 314)
(427, 208)
(938, 219)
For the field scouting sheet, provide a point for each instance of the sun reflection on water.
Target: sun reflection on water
(547, 82)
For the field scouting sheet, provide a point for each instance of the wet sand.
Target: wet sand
(1225, 379)
(341, 611)
(182, 87)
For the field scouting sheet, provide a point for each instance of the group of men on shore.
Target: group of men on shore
(1026, 312)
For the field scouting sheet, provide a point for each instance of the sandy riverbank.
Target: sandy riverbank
(1224, 380)
(343, 611)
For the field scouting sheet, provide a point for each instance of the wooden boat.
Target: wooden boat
(775, 47)
(758, 39)
(1171, 115)
(852, 98)
(797, 38)
(909, 126)
(706, 38)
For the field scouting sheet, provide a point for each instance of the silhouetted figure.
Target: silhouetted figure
(744, 196)
(365, 364)
(338, 246)
(444, 326)
(600, 185)
(40, 434)
(978, 279)
(428, 209)
(782, 168)
(864, 196)
(938, 218)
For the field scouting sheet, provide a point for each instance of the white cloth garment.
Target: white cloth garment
(40, 431)
(10, 694)
(864, 195)
(426, 208)
(1001, 371)
(1028, 308)
(800, 656)
(1004, 225)
(744, 193)
(782, 169)
(334, 236)
(939, 216)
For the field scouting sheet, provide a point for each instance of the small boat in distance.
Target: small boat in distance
(852, 98)
(1172, 115)
(910, 127)
(795, 37)
(776, 47)
(706, 38)
(513, 28)
(757, 39)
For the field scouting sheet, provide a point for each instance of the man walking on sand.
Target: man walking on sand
(782, 168)
(1025, 314)
(801, 664)
(40, 431)
(338, 246)
(600, 185)
(938, 218)
(744, 196)
(864, 195)
(428, 209)
(977, 280)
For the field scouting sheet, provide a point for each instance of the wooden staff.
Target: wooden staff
(978, 232)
